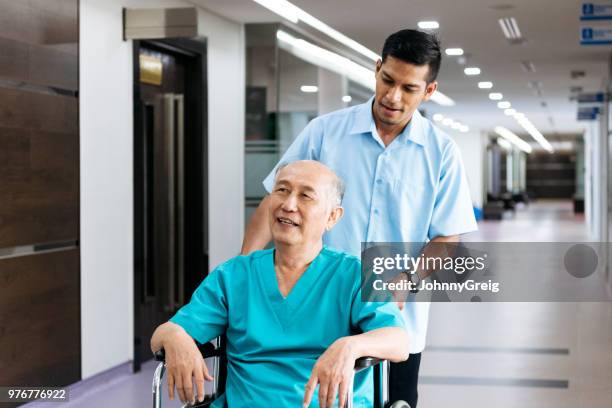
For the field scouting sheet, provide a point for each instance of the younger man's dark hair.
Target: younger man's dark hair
(415, 47)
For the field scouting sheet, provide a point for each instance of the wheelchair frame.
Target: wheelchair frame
(381, 376)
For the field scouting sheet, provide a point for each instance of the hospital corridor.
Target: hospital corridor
(280, 203)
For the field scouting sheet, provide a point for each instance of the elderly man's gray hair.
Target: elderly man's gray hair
(337, 184)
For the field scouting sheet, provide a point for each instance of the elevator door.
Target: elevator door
(170, 249)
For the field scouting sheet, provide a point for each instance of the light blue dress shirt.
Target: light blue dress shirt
(273, 342)
(413, 190)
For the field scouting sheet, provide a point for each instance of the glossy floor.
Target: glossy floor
(521, 354)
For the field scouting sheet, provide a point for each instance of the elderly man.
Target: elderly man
(405, 179)
(293, 315)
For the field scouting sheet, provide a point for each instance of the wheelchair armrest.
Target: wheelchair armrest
(207, 350)
(366, 362)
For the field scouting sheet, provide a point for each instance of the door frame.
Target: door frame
(196, 93)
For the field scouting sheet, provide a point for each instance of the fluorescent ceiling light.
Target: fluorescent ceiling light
(323, 58)
(510, 28)
(503, 105)
(283, 8)
(472, 71)
(441, 99)
(509, 112)
(514, 139)
(447, 121)
(496, 96)
(347, 98)
(438, 117)
(331, 61)
(454, 51)
(534, 132)
(309, 88)
(485, 85)
(293, 13)
(504, 143)
(428, 25)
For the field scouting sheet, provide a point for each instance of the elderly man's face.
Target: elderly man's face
(302, 203)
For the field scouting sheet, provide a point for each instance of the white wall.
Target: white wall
(107, 177)
(472, 147)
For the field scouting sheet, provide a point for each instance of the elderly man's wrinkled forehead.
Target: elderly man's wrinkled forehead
(312, 175)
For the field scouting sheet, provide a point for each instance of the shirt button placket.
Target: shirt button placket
(376, 196)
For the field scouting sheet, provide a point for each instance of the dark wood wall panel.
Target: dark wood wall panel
(36, 111)
(39, 42)
(40, 322)
(39, 192)
(39, 188)
(40, 173)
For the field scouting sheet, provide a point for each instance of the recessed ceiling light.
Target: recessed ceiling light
(309, 88)
(438, 117)
(511, 30)
(528, 66)
(509, 112)
(456, 125)
(496, 96)
(464, 129)
(485, 85)
(447, 121)
(347, 98)
(428, 25)
(472, 71)
(503, 105)
(454, 51)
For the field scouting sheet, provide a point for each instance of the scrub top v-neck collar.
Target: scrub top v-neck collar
(285, 308)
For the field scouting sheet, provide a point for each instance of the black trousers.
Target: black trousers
(403, 380)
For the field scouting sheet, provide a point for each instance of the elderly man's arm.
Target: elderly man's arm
(333, 370)
(184, 362)
(258, 233)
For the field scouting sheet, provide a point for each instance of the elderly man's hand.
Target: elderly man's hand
(333, 371)
(185, 366)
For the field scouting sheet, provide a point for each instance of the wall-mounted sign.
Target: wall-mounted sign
(151, 69)
(592, 11)
(588, 113)
(596, 97)
(596, 35)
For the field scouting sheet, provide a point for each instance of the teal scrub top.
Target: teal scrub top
(273, 342)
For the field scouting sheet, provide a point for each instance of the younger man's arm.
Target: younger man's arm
(258, 233)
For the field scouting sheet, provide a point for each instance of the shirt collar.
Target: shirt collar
(363, 122)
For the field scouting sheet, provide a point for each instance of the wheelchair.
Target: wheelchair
(216, 350)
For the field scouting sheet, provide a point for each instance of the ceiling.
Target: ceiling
(551, 28)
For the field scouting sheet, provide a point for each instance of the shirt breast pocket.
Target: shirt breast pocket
(412, 206)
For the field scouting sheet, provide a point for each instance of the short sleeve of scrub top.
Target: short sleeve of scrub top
(205, 316)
